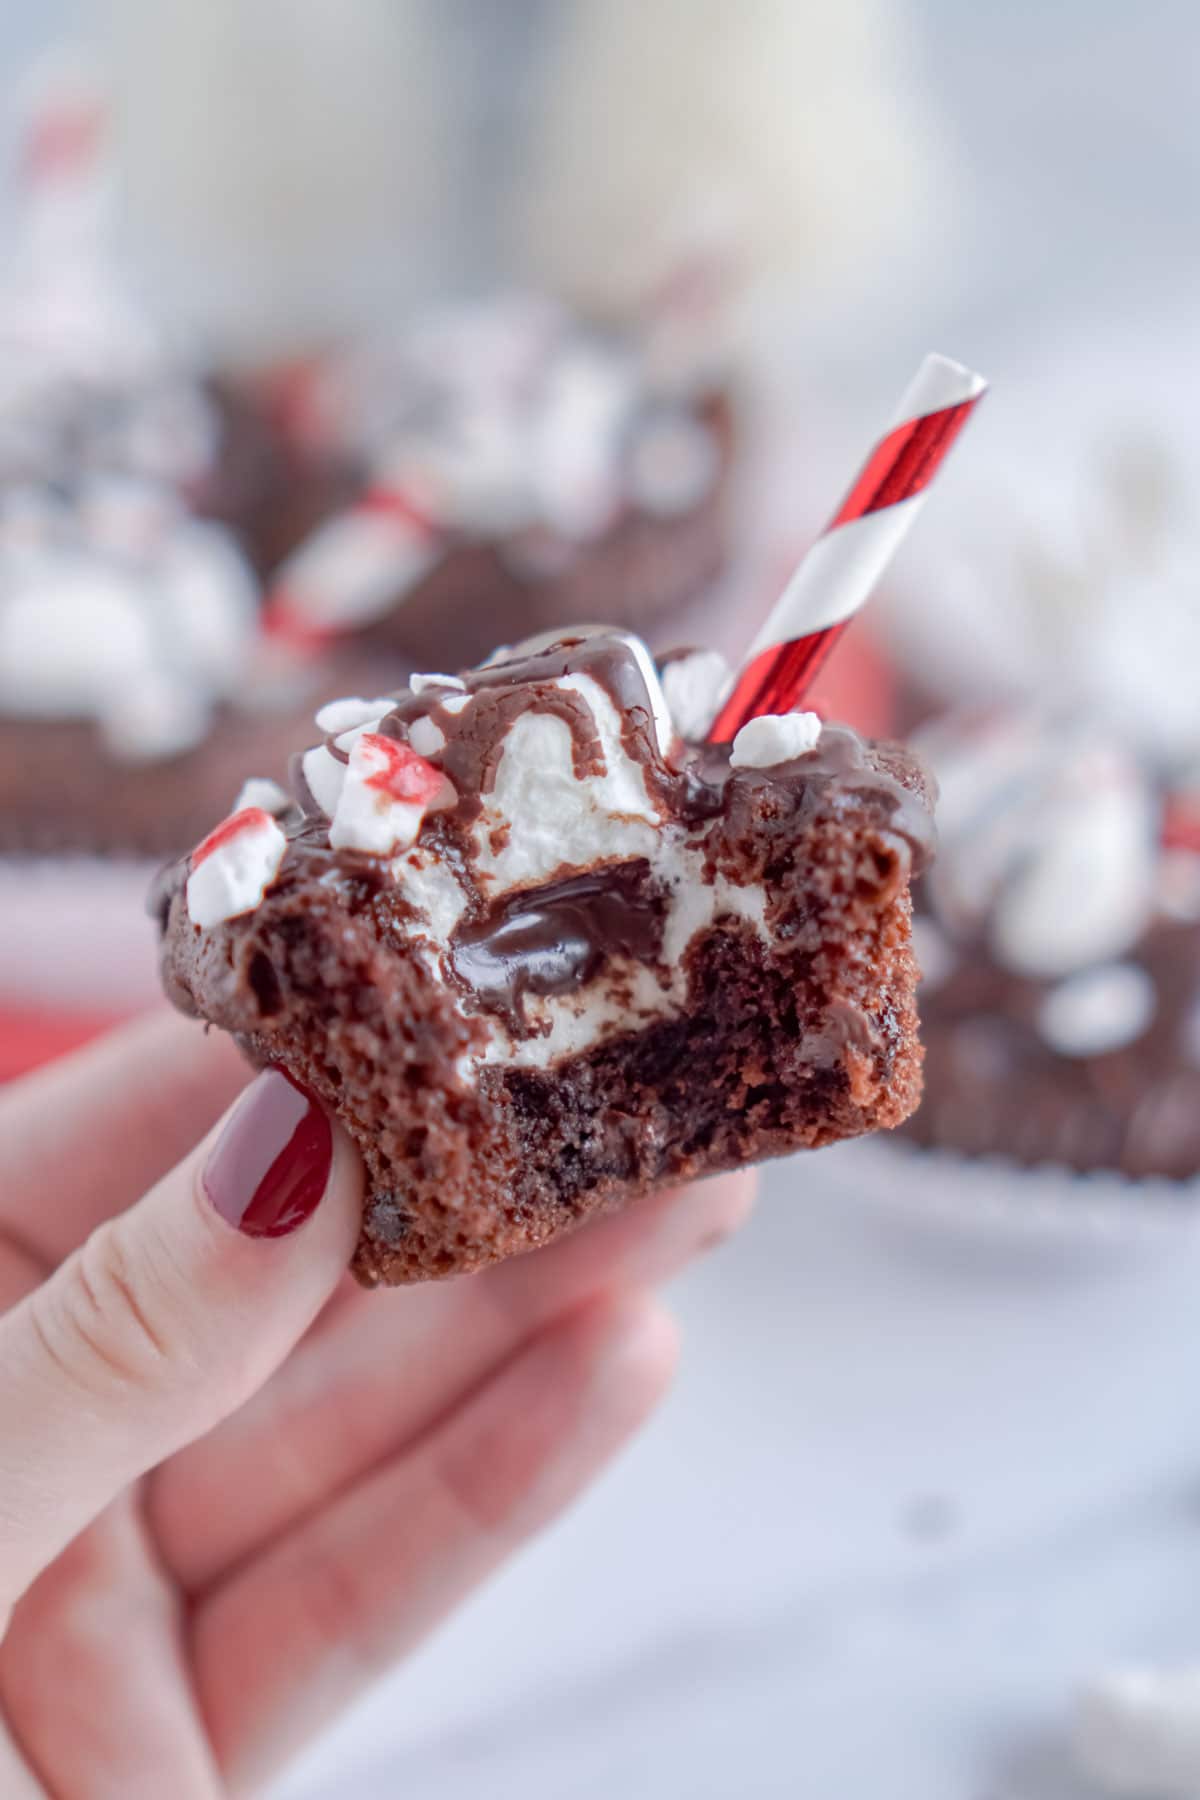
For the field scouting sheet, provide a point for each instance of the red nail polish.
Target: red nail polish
(268, 1169)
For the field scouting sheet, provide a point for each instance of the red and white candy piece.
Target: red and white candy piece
(387, 791)
(345, 721)
(843, 566)
(354, 566)
(234, 866)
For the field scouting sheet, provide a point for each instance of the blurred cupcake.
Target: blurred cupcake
(1060, 942)
(135, 689)
(90, 383)
(131, 687)
(1059, 938)
(132, 488)
(519, 471)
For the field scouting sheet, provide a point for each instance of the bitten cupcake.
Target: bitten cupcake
(540, 952)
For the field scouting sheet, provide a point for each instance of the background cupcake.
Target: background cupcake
(1060, 942)
(517, 471)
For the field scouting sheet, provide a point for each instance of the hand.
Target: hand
(234, 1488)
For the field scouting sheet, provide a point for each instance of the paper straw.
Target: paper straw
(841, 569)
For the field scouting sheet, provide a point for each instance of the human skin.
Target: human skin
(234, 1488)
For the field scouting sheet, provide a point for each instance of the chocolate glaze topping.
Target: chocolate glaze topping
(503, 691)
(555, 938)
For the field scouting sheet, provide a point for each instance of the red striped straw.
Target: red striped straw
(841, 569)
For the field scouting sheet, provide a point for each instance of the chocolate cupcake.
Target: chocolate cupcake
(1059, 938)
(130, 682)
(519, 471)
(540, 953)
(134, 689)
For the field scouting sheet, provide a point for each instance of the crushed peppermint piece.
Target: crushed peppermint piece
(774, 738)
(387, 790)
(398, 771)
(234, 866)
(346, 740)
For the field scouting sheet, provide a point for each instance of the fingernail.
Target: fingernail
(268, 1169)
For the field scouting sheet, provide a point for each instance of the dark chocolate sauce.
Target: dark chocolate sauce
(554, 939)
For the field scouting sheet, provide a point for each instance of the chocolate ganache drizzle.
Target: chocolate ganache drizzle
(552, 940)
(555, 936)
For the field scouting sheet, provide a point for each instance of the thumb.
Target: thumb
(169, 1317)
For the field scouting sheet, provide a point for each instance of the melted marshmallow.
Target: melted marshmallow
(538, 823)
(631, 994)
(554, 821)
